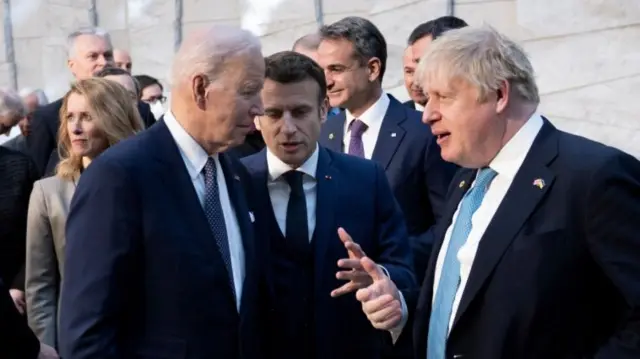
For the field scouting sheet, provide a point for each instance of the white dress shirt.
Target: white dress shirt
(418, 107)
(372, 117)
(279, 189)
(195, 158)
(507, 163)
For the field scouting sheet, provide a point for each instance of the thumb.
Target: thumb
(372, 269)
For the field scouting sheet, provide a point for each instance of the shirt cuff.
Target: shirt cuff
(395, 332)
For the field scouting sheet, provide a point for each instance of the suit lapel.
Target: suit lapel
(180, 186)
(529, 187)
(391, 133)
(325, 221)
(335, 132)
(241, 209)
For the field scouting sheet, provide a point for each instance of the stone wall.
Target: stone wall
(586, 52)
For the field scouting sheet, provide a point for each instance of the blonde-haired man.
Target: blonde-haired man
(536, 255)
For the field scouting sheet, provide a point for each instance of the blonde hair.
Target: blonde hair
(110, 106)
(484, 58)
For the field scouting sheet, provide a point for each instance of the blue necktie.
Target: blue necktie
(297, 228)
(215, 215)
(450, 274)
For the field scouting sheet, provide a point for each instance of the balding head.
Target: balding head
(122, 59)
(217, 75)
(308, 45)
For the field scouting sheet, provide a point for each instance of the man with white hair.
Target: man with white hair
(537, 254)
(162, 258)
(12, 110)
(89, 51)
(32, 99)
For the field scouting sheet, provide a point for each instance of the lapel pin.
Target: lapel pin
(236, 177)
(327, 177)
(393, 134)
(462, 183)
(331, 136)
(539, 182)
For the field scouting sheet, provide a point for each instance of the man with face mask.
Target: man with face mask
(89, 51)
(322, 208)
(162, 257)
(152, 93)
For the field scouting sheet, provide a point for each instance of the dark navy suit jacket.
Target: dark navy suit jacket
(557, 271)
(143, 275)
(419, 177)
(354, 194)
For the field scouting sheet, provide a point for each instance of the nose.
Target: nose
(329, 78)
(431, 114)
(288, 124)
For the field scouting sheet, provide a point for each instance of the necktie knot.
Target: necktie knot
(484, 178)
(209, 171)
(294, 179)
(357, 128)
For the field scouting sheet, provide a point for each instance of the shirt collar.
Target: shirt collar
(192, 153)
(509, 159)
(277, 168)
(374, 114)
(418, 107)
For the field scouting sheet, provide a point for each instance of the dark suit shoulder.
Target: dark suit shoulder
(254, 161)
(50, 108)
(352, 165)
(14, 159)
(578, 154)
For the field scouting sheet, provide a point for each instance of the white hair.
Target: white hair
(95, 31)
(40, 95)
(11, 105)
(484, 58)
(208, 52)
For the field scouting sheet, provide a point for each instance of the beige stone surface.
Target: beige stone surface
(210, 10)
(27, 17)
(28, 54)
(502, 15)
(112, 14)
(573, 61)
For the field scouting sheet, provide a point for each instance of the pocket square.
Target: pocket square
(251, 217)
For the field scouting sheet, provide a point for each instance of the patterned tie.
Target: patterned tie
(356, 147)
(215, 215)
(297, 228)
(450, 274)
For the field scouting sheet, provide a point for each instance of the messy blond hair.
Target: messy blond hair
(113, 111)
(482, 57)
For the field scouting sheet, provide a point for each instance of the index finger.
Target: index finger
(372, 269)
(344, 236)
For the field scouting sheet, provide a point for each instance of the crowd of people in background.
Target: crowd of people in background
(288, 207)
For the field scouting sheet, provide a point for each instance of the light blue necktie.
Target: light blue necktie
(450, 274)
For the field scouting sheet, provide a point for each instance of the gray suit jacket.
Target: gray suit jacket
(18, 143)
(48, 210)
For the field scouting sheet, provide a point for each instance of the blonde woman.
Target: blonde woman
(95, 114)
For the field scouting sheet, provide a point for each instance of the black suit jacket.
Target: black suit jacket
(17, 174)
(17, 340)
(411, 104)
(42, 142)
(556, 274)
(144, 277)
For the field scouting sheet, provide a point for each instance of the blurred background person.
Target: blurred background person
(95, 114)
(32, 100)
(122, 59)
(125, 79)
(418, 43)
(152, 93)
(17, 174)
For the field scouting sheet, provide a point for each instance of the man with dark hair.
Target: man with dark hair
(376, 126)
(308, 45)
(417, 44)
(322, 208)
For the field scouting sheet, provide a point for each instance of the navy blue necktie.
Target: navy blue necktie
(215, 215)
(297, 228)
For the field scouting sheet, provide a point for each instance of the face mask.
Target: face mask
(157, 109)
